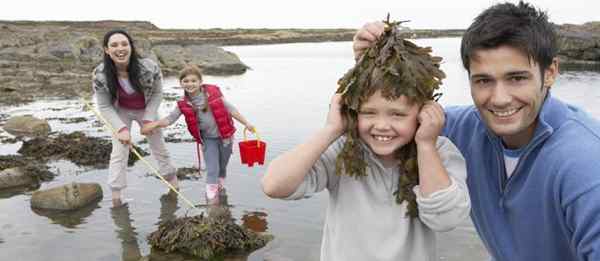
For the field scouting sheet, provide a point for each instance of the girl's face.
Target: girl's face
(191, 84)
(119, 50)
(386, 126)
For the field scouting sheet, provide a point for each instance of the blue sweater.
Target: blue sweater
(549, 209)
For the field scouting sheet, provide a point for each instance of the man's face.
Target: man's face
(508, 90)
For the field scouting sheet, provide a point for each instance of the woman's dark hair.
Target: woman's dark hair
(110, 70)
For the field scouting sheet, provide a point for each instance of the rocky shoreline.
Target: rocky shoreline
(55, 59)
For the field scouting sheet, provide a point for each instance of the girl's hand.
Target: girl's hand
(149, 127)
(366, 36)
(335, 122)
(250, 127)
(431, 119)
(124, 137)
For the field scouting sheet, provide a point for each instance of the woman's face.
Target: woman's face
(119, 50)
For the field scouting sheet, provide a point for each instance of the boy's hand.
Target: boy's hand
(366, 36)
(334, 116)
(149, 127)
(431, 119)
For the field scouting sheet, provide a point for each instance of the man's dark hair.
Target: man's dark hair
(520, 26)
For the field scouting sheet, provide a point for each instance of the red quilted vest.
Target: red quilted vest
(217, 108)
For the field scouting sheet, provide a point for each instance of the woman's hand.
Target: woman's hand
(431, 119)
(124, 137)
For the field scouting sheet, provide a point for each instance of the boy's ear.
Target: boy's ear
(551, 73)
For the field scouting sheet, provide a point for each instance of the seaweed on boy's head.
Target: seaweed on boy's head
(402, 76)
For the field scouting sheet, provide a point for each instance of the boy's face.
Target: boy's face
(191, 83)
(387, 125)
(508, 90)
(119, 49)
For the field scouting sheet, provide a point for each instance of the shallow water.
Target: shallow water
(285, 96)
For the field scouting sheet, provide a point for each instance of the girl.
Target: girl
(209, 119)
(392, 181)
(128, 88)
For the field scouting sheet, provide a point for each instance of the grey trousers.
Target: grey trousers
(216, 156)
(117, 168)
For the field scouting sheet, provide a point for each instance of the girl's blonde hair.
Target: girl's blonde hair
(192, 69)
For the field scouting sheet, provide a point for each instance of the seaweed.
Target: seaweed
(396, 67)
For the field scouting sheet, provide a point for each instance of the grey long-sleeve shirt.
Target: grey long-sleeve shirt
(151, 80)
(363, 220)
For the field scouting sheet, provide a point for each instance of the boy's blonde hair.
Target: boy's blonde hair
(396, 67)
(192, 69)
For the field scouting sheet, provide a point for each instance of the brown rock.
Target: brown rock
(27, 126)
(14, 177)
(67, 197)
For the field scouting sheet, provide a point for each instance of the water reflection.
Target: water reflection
(168, 207)
(255, 221)
(130, 249)
(70, 218)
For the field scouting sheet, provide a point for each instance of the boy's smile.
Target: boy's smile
(386, 126)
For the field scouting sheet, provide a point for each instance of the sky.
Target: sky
(202, 14)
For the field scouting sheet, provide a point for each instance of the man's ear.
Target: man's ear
(551, 73)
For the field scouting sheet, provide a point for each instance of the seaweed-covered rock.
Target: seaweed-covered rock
(11, 161)
(14, 177)
(76, 147)
(18, 173)
(27, 125)
(206, 237)
(68, 197)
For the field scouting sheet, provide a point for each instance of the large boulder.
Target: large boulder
(15, 177)
(212, 59)
(579, 45)
(27, 126)
(68, 197)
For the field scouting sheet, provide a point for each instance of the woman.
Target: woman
(129, 88)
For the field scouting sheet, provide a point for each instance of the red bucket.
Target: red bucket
(252, 151)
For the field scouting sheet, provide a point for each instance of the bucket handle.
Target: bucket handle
(255, 133)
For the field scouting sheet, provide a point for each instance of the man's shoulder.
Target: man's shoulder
(461, 120)
(460, 110)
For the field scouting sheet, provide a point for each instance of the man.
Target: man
(533, 162)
